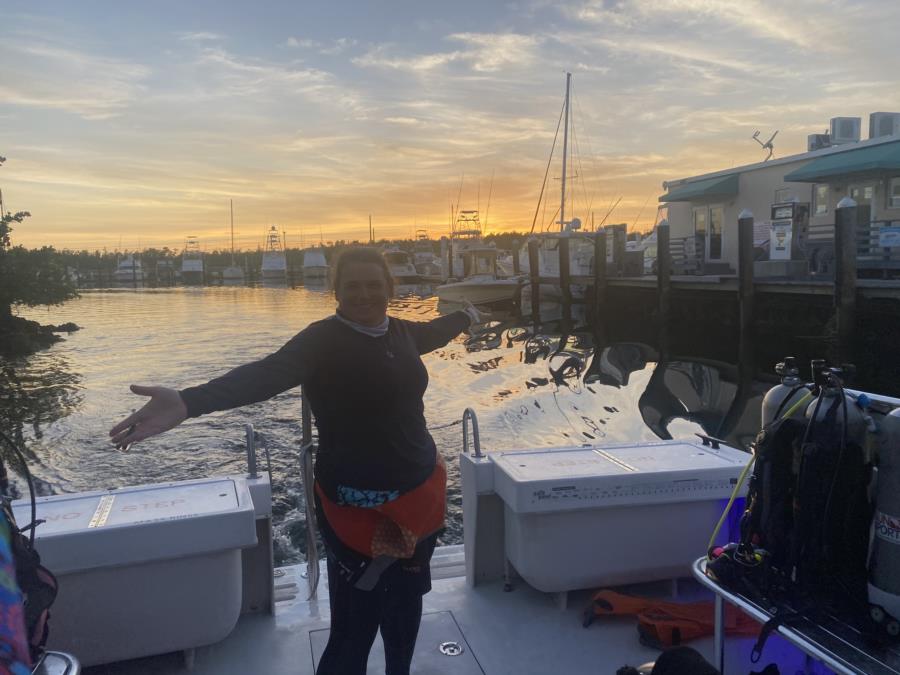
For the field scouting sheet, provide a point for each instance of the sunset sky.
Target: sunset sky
(133, 124)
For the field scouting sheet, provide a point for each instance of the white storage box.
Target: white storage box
(144, 570)
(591, 516)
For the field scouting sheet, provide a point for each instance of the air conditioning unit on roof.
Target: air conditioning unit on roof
(884, 124)
(817, 141)
(845, 130)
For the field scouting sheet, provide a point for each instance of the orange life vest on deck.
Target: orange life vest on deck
(665, 624)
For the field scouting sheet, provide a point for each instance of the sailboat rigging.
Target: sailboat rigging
(233, 273)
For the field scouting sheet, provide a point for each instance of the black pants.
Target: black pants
(394, 606)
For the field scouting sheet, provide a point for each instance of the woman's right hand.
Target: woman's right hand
(162, 412)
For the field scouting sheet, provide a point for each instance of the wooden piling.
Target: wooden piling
(534, 269)
(745, 364)
(449, 258)
(565, 281)
(745, 286)
(619, 238)
(663, 286)
(517, 264)
(845, 274)
(599, 283)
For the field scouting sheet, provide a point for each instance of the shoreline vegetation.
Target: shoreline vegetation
(29, 278)
(84, 260)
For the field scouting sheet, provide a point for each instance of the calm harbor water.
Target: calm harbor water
(528, 391)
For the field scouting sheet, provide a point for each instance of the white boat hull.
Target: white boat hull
(232, 274)
(478, 292)
(128, 276)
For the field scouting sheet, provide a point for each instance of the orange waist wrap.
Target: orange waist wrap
(395, 527)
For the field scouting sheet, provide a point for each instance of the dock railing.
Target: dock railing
(687, 255)
(878, 247)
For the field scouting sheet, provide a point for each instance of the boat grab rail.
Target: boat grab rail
(252, 465)
(251, 450)
(307, 450)
(312, 551)
(470, 416)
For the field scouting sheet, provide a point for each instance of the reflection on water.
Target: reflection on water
(321, 285)
(708, 394)
(528, 388)
(34, 394)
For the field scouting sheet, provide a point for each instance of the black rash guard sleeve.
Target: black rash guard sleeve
(436, 333)
(289, 367)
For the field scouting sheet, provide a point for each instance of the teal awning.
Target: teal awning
(884, 157)
(723, 186)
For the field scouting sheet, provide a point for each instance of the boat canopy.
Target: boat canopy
(720, 186)
(876, 158)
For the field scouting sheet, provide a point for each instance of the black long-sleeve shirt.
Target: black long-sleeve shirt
(365, 392)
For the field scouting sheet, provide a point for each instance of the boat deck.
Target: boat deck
(515, 633)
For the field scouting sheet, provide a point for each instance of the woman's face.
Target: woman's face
(363, 293)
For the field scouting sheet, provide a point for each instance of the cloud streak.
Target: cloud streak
(42, 75)
(481, 52)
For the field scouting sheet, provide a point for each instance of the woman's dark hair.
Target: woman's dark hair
(361, 254)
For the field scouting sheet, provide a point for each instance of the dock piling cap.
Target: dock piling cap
(745, 214)
(846, 203)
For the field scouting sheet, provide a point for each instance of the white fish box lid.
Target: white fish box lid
(141, 524)
(560, 479)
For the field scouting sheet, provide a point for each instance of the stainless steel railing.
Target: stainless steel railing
(307, 450)
(470, 416)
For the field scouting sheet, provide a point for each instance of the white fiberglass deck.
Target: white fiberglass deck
(520, 632)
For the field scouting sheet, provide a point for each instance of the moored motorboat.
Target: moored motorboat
(315, 266)
(129, 270)
(428, 265)
(480, 283)
(274, 261)
(400, 266)
(192, 262)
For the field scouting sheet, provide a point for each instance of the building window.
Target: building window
(862, 194)
(783, 195)
(894, 193)
(821, 194)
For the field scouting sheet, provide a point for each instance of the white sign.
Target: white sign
(761, 232)
(889, 237)
(780, 240)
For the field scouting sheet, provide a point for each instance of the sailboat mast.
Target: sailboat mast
(562, 204)
(231, 207)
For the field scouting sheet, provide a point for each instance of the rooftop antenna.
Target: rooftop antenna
(767, 145)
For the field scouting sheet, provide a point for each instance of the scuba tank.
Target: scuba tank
(828, 404)
(781, 397)
(831, 504)
(884, 563)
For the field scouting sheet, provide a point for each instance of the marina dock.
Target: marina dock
(739, 316)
